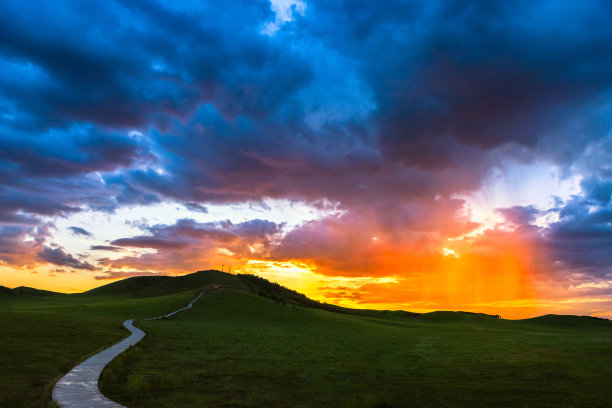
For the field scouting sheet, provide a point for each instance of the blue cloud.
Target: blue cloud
(80, 231)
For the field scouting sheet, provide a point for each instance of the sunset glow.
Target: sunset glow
(388, 157)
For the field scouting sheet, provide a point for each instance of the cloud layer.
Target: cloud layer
(388, 112)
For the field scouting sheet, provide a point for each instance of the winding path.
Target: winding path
(79, 388)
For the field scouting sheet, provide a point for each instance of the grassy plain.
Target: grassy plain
(238, 349)
(43, 335)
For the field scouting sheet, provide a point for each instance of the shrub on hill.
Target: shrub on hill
(481, 314)
(278, 293)
(597, 318)
(286, 296)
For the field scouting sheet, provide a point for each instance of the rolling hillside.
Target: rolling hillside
(257, 343)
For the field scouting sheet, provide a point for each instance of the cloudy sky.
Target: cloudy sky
(401, 154)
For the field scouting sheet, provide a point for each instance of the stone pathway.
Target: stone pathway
(79, 388)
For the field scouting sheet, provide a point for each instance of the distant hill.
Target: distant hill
(27, 291)
(128, 285)
(458, 317)
(149, 286)
(152, 286)
(552, 320)
(194, 280)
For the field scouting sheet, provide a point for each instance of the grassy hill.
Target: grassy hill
(27, 291)
(189, 282)
(43, 337)
(564, 321)
(149, 286)
(259, 344)
(127, 286)
(237, 349)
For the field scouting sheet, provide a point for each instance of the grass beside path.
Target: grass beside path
(235, 349)
(44, 337)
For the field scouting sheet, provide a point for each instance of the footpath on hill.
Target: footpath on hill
(79, 387)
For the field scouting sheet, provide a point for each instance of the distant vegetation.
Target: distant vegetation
(285, 296)
(278, 293)
(482, 314)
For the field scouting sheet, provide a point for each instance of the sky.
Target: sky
(416, 155)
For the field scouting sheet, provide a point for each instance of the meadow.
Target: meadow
(236, 348)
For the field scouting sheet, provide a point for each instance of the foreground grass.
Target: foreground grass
(235, 349)
(44, 337)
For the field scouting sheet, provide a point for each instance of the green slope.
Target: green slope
(565, 321)
(458, 317)
(127, 286)
(27, 291)
(149, 286)
(236, 349)
(192, 281)
(43, 337)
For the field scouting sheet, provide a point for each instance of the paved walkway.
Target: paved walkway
(79, 388)
(189, 306)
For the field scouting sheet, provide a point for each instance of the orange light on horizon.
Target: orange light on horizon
(485, 274)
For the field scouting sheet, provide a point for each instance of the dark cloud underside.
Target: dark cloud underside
(389, 109)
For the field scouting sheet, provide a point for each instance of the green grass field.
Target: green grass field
(238, 349)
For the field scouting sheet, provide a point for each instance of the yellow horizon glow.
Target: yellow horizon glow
(450, 281)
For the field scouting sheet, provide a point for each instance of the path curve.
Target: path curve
(79, 388)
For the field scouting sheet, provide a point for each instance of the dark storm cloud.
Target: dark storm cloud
(35, 202)
(57, 256)
(256, 228)
(598, 190)
(431, 85)
(478, 73)
(187, 232)
(144, 241)
(582, 237)
(29, 200)
(135, 62)
(105, 248)
(388, 108)
(578, 242)
(187, 245)
(66, 153)
(73, 88)
(80, 231)
(445, 80)
(519, 215)
(55, 172)
(15, 247)
(8, 217)
(196, 207)
(446, 84)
